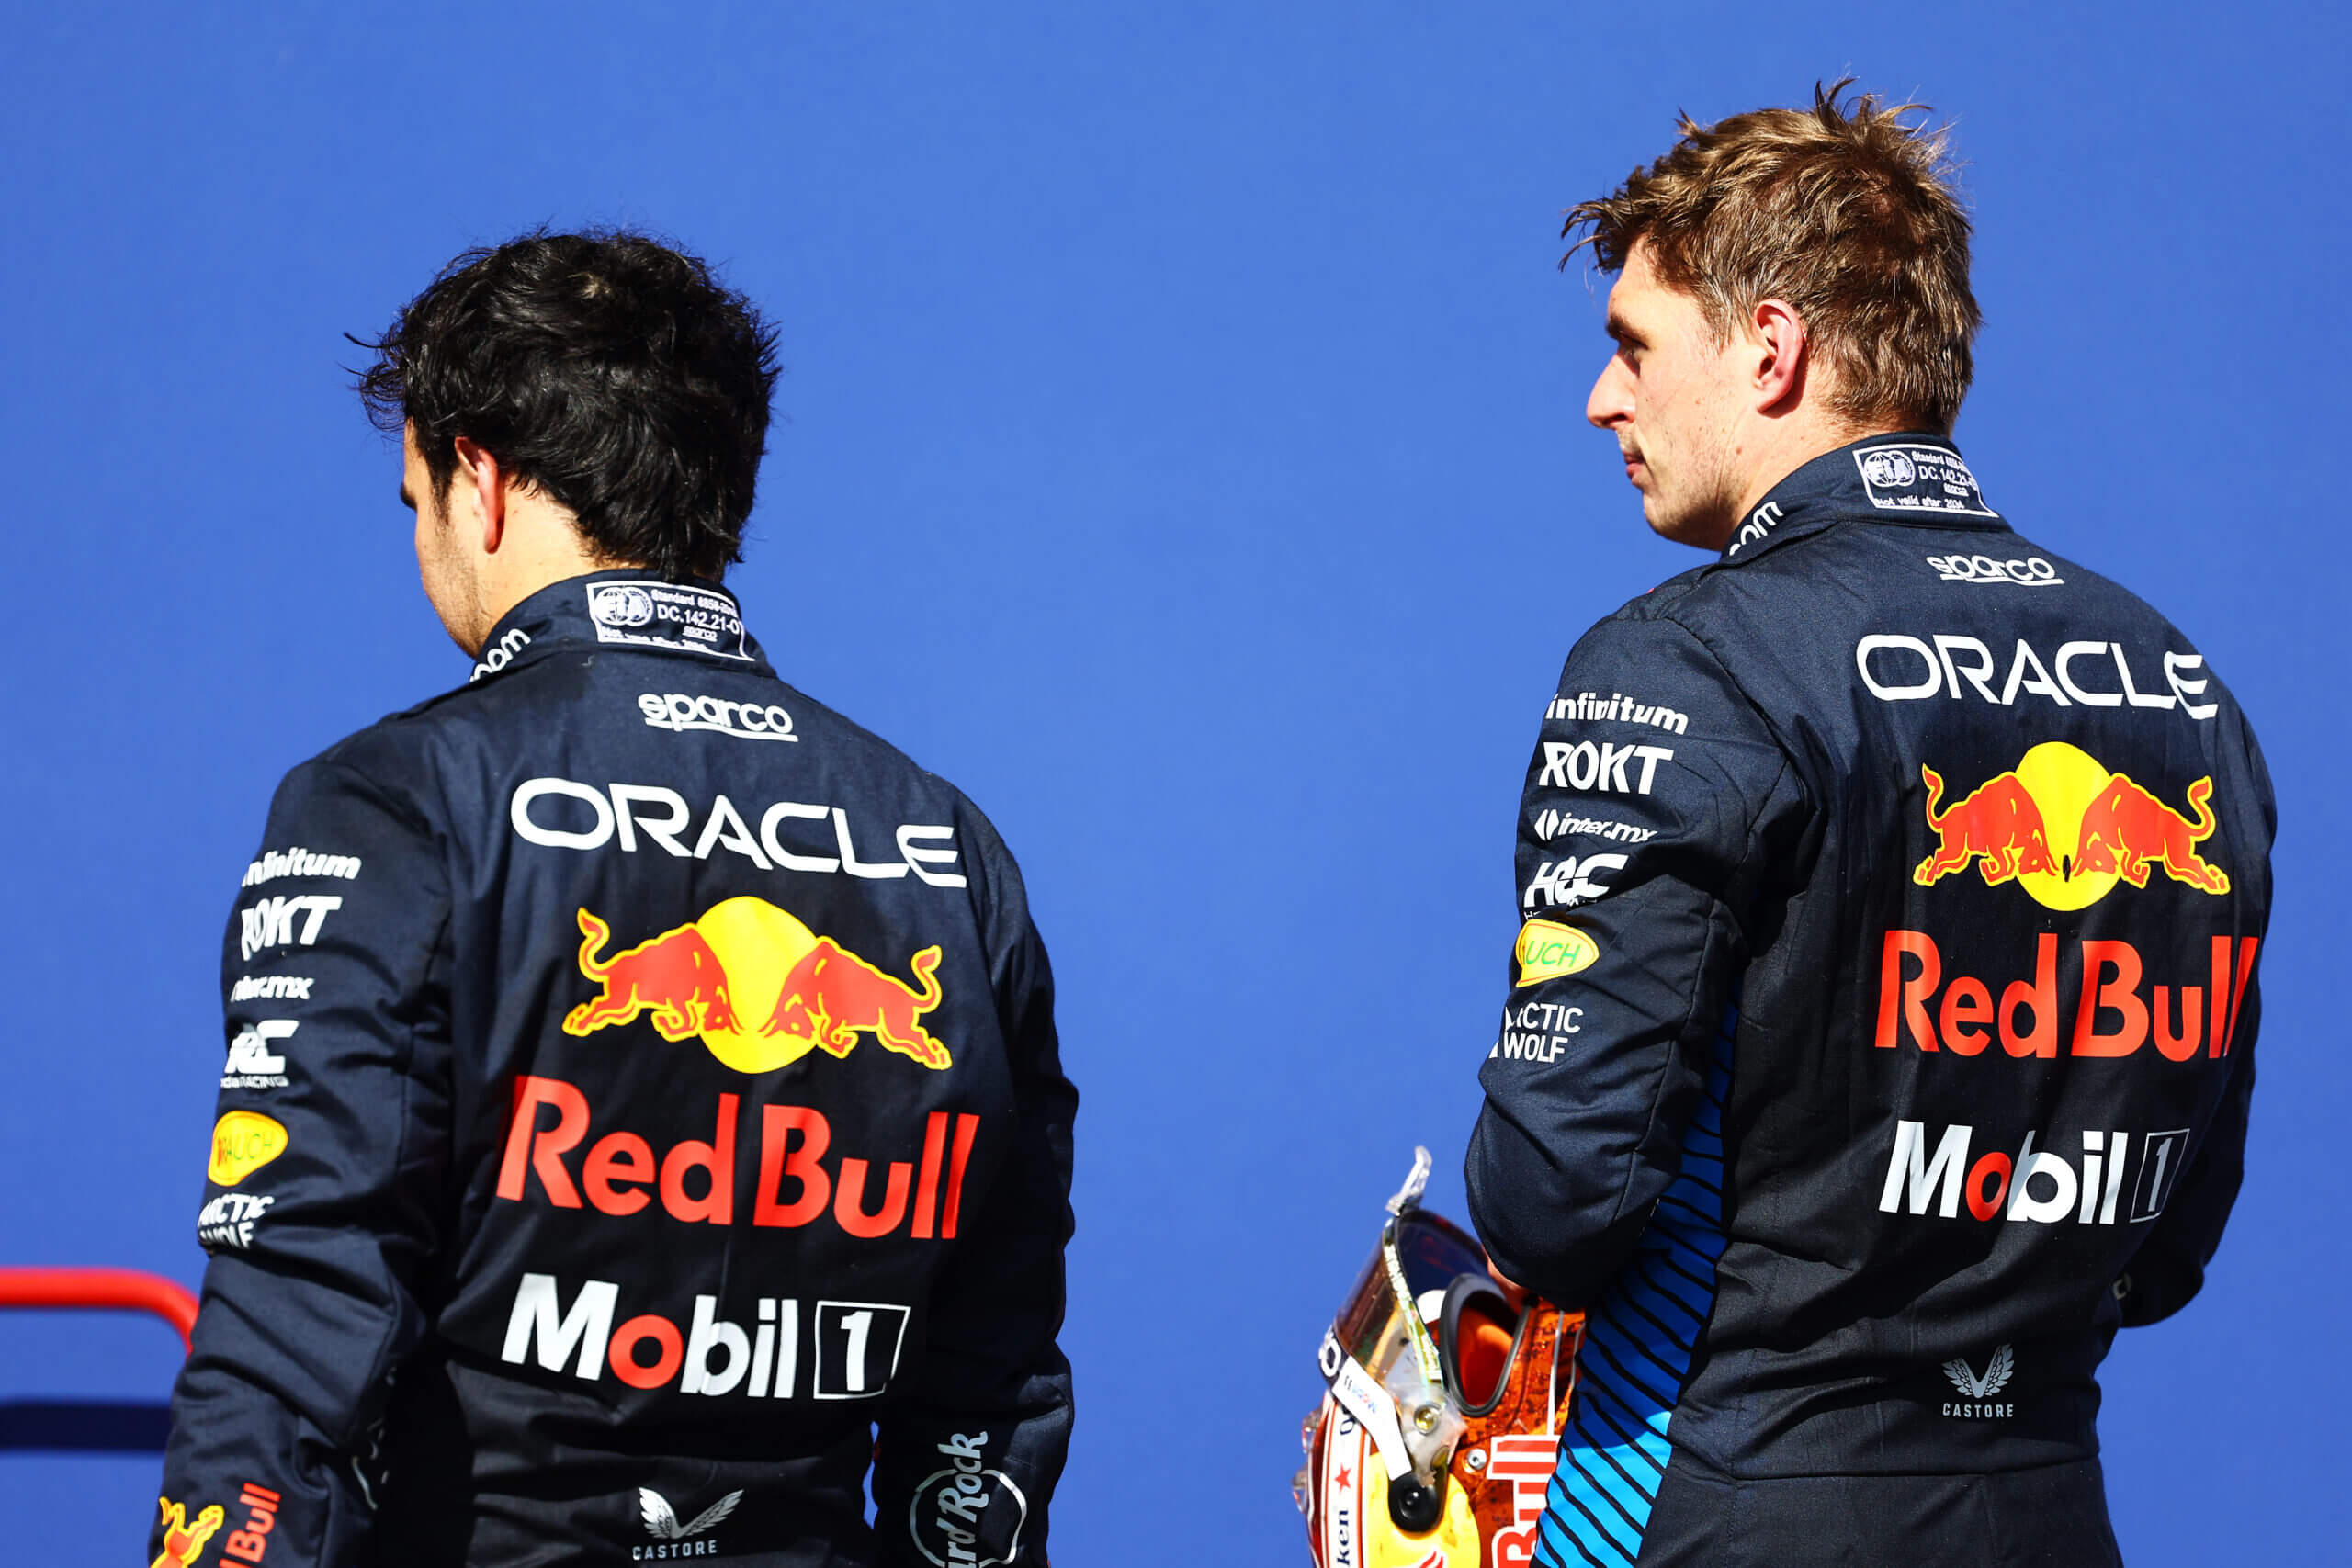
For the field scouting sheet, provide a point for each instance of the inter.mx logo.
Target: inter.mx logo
(2117, 1175)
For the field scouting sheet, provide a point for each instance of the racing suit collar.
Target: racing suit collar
(629, 608)
(1909, 479)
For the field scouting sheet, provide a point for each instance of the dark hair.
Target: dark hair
(1847, 211)
(610, 371)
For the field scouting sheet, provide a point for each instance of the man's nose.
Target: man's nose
(1611, 399)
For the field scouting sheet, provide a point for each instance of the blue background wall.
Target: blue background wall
(1181, 450)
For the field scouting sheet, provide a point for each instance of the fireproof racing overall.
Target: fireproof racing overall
(642, 1082)
(1880, 1030)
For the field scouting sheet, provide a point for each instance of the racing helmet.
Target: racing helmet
(1444, 1392)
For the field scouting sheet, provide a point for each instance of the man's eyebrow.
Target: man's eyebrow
(1621, 329)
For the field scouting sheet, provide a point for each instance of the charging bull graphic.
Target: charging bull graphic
(2060, 795)
(2126, 830)
(183, 1542)
(759, 988)
(1998, 823)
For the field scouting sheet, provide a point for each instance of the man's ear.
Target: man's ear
(1783, 351)
(479, 477)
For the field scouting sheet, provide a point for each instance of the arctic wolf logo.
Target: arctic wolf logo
(1995, 1378)
(662, 1520)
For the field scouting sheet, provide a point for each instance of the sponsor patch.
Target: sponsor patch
(565, 813)
(966, 1515)
(1901, 668)
(242, 1142)
(500, 655)
(1905, 477)
(2066, 830)
(300, 862)
(2031, 572)
(252, 1063)
(1548, 949)
(663, 1524)
(675, 711)
(851, 1351)
(229, 1220)
(183, 1541)
(653, 613)
(760, 990)
(281, 921)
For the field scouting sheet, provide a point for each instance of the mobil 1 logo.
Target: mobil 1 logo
(857, 1348)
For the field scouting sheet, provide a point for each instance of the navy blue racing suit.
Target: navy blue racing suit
(641, 1086)
(1879, 1033)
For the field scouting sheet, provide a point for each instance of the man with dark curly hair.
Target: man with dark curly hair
(643, 1122)
(1881, 1022)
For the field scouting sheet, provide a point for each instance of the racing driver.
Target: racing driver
(642, 1081)
(1882, 1021)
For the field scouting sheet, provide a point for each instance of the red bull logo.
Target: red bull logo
(183, 1541)
(759, 989)
(2066, 830)
(2107, 1008)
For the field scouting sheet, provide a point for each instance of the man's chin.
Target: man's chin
(1681, 526)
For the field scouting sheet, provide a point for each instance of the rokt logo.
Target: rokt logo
(759, 988)
(2066, 830)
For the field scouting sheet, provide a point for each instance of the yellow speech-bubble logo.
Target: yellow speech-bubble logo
(1548, 949)
(242, 1142)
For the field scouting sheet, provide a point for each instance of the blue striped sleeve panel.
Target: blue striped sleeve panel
(1638, 1341)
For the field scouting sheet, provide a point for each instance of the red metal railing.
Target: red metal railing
(121, 1290)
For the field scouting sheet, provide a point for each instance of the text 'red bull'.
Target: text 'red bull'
(2113, 1015)
(794, 1188)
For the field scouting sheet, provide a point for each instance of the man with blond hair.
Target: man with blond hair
(1881, 1023)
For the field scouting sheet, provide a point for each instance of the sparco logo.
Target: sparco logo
(744, 721)
(2031, 572)
(967, 1515)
